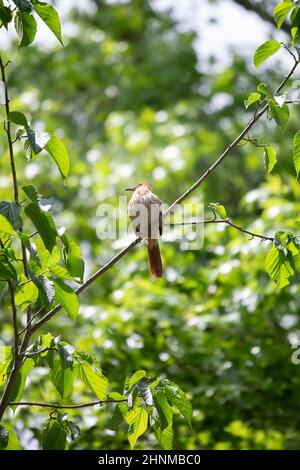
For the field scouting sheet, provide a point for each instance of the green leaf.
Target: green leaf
(23, 5)
(296, 152)
(26, 294)
(47, 259)
(74, 261)
(5, 369)
(18, 118)
(165, 413)
(3, 437)
(95, 380)
(145, 392)
(5, 353)
(131, 380)
(19, 385)
(54, 436)
(295, 17)
(5, 226)
(26, 27)
(278, 266)
(8, 439)
(45, 288)
(270, 158)
(74, 430)
(120, 410)
(66, 354)
(138, 423)
(216, 207)
(11, 211)
(50, 17)
(252, 98)
(116, 419)
(177, 397)
(44, 224)
(281, 114)
(67, 297)
(37, 140)
(281, 11)
(264, 51)
(5, 16)
(60, 376)
(32, 193)
(7, 271)
(56, 148)
(265, 90)
(61, 272)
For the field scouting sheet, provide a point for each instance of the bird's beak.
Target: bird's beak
(129, 189)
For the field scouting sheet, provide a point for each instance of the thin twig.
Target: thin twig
(35, 353)
(65, 407)
(225, 222)
(289, 51)
(31, 320)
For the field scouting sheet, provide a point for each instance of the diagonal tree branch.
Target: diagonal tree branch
(257, 115)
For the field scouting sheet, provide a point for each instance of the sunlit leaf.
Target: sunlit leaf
(252, 98)
(44, 224)
(95, 380)
(281, 11)
(296, 152)
(19, 385)
(264, 51)
(5, 226)
(7, 270)
(32, 193)
(56, 148)
(26, 27)
(278, 267)
(67, 298)
(138, 423)
(50, 17)
(270, 158)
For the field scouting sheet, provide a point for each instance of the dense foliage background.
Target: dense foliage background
(133, 102)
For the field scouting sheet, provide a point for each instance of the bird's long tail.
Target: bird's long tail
(154, 257)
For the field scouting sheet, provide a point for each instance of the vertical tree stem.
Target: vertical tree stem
(18, 359)
(8, 132)
(12, 162)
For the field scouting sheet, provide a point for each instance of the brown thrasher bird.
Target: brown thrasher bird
(145, 212)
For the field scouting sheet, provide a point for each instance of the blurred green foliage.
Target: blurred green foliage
(131, 101)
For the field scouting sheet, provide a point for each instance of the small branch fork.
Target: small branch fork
(225, 222)
(30, 329)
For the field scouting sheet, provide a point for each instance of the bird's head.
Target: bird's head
(139, 186)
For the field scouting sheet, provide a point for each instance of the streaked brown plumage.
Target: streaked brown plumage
(145, 212)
